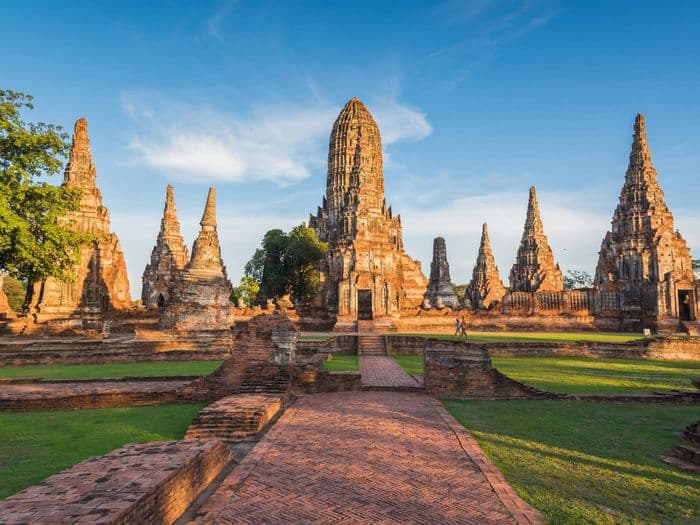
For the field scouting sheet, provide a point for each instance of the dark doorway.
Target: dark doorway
(684, 305)
(364, 305)
(161, 301)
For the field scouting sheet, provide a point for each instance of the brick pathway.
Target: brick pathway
(366, 457)
(380, 371)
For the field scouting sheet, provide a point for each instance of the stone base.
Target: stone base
(144, 483)
(234, 418)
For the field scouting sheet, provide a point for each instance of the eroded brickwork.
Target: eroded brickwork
(486, 287)
(644, 271)
(100, 280)
(535, 269)
(440, 292)
(366, 270)
(201, 298)
(168, 258)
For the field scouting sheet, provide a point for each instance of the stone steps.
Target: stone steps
(686, 455)
(691, 327)
(372, 345)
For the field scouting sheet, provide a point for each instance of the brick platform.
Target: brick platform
(384, 372)
(83, 394)
(145, 483)
(234, 418)
(366, 457)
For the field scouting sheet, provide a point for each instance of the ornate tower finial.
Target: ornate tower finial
(80, 170)
(209, 215)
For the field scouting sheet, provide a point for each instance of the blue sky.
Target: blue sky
(476, 100)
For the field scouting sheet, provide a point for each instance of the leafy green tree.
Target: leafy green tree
(577, 279)
(15, 290)
(287, 263)
(696, 268)
(33, 245)
(459, 290)
(247, 290)
(301, 257)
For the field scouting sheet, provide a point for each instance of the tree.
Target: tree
(696, 268)
(287, 263)
(460, 290)
(33, 245)
(577, 279)
(247, 291)
(15, 290)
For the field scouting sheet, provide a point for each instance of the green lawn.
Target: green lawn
(538, 337)
(34, 445)
(412, 364)
(342, 363)
(582, 375)
(588, 462)
(99, 371)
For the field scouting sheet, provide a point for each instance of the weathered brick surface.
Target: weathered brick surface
(149, 483)
(234, 418)
(365, 457)
(87, 394)
(384, 372)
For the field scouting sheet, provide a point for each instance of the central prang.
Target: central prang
(367, 275)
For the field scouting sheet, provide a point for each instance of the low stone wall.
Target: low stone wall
(674, 348)
(440, 322)
(69, 350)
(338, 344)
(150, 483)
(463, 370)
(64, 395)
(315, 381)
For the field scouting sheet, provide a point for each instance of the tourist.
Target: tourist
(458, 326)
(463, 324)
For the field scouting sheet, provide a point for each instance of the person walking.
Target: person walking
(463, 326)
(458, 326)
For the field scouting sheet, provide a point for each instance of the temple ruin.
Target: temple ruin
(440, 292)
(486, 287)
(644, 273)
(534, 269)
(367, 275)
(201, 297)
(168, 258)
(100, 280)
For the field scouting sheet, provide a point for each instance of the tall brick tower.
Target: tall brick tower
(366, 272)
(643, 258)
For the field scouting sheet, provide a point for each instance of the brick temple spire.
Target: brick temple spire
(643, 256)
(486, 286)
(440, 291)
(206, 251)
(168, 258)
(201, 296)
(534, 269)
(366, 271)
(80, 171)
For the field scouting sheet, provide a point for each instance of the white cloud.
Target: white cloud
(280, 143)
(398, 122)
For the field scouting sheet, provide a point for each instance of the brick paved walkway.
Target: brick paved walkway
(366, 457)
(380, 371)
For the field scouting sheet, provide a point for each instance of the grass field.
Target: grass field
(342, 363)
(159, 368)
(588, 462)
(586, 375)
(34, 445)
(581, 375)
(538, 337)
